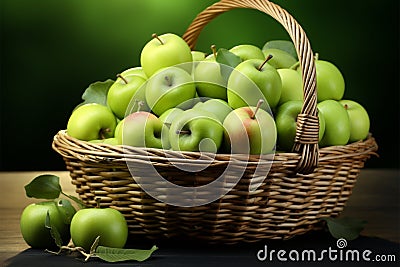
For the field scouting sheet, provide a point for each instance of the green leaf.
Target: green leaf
(346, 227)
(77, 201)
(228, 61)
(119, 254)
(44, 186)
(284, 45)
(97, 92)
(226, 57)
(66, 209)
(55, 234)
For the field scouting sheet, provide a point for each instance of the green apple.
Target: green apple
(118, 132)
(165, 51)
(280, 59)
(337, 123)
(196, 130)
(91, 121)
(292, 85)
(218, 107)
(330, 81)
(168, 116)
(142, 129)
(134, 71)
(209, 79)
(286, 121)
(198, 55)
(250, 130)
(359, 120)
(252, 80)
(168, 88)
(124, 91)
(110, 141)
(247, 51)
(33, 224)
(108, 223)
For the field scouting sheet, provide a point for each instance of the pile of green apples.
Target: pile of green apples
(242, 100)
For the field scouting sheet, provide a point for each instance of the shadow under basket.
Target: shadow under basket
(261, 197)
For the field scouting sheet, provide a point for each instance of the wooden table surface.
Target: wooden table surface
(375, 199)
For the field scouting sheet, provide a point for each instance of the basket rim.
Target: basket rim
(71, 147)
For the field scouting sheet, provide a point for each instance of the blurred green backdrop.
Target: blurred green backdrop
(52, 50)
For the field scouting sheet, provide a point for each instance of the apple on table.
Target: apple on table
(107, 223)
(33, 224)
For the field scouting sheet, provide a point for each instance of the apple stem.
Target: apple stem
(98, 200)
(140, 105)
(122, 78)
(103, 132)
(259, 103)
(169, 80)
(265, 61)
(155, 36)
(183, 132)
(346, 106)
(214, 50)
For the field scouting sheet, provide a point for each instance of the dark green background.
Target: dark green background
(52, 50)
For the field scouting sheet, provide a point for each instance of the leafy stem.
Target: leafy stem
(79, 202)
(108, 254)
(73, 249)
(47, 186)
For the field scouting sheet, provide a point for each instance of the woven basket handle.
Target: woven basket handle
(306, 140)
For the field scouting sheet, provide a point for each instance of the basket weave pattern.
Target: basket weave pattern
(301, 186)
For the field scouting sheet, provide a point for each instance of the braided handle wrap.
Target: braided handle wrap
(306, 141)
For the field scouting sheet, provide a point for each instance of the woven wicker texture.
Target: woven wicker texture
(300, 188)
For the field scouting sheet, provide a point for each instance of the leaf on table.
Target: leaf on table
(45, 186)
(97, 93)
(346, 227)
(55, 234)
(283, 45)
(119, 254)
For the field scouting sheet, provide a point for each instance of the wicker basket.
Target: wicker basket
(301, 186)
